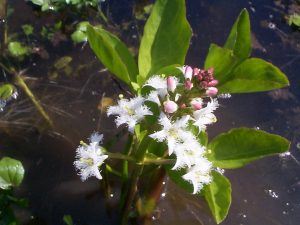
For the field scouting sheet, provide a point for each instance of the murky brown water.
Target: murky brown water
(266, 192)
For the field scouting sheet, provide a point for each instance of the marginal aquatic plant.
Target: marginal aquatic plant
(172, 105)
(58, 4)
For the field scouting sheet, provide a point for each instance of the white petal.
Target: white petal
(157, 82)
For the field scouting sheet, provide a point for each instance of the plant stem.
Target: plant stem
(131, 193)
(139, 155)
(3, 17)
(21, 83)
(153, 193)
(120, 156)
(158, 161)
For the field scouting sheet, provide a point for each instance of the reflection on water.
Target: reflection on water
(265, 192)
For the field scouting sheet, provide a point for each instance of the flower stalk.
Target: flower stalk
(21, 83)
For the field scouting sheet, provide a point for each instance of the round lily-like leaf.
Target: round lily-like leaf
(6, 91)
(11, 173)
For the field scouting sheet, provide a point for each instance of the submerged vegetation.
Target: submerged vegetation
(163, 112)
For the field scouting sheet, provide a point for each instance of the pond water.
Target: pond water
(266, 192)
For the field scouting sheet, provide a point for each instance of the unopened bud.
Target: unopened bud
(212, 83)
(196, 103)
(211, 91)
(188, 85)
(196, 71)
(183, 106)
(170, 106)
(188, 72)
(203, 84)
(171, 83)
(210, 71)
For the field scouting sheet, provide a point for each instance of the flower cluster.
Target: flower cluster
(89, 157)
(185, 101)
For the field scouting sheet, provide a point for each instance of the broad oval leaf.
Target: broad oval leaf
(222, 60)
(253, 75)
(113, 54)
(218, 196)
(6, 91)
(166, 37)
(239, 39)
(11, 173)
(241, 146)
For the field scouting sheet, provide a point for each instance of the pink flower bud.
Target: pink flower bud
(211, 91)
(199, 77)
(171, 83)
(196, 103)
(203, 84)
(196, 71)
(183, 106)
(210, 71)
(188, 85)
(188, 72)
(212, 83)
(170, 106)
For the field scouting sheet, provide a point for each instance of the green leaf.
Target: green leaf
(27, 29)
(6, 91)
(241, 146)
(171, 70)
(218, 196)
(68, 220)
(39, 2)
(294, 20)
(17, 49)
(253, 75)
(113, 54)
(78, 36)
(166, 37)
(222, 60)
(62, 62)
(239, 39)
(11, 173)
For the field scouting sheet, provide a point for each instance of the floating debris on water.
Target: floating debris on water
(272, 25)
(272, 193)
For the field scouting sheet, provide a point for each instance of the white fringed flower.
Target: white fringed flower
(187, 153)
(159, 84)
(153, 97)
(90, 157)
(129, 112)
(205, 115)
(199, 175)
(172, 132)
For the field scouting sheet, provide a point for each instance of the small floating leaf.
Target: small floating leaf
(27, 29)
(6, 91)
(62, 62)
(68, 220)
(294, 20)
(11, 173)
(17, 49)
